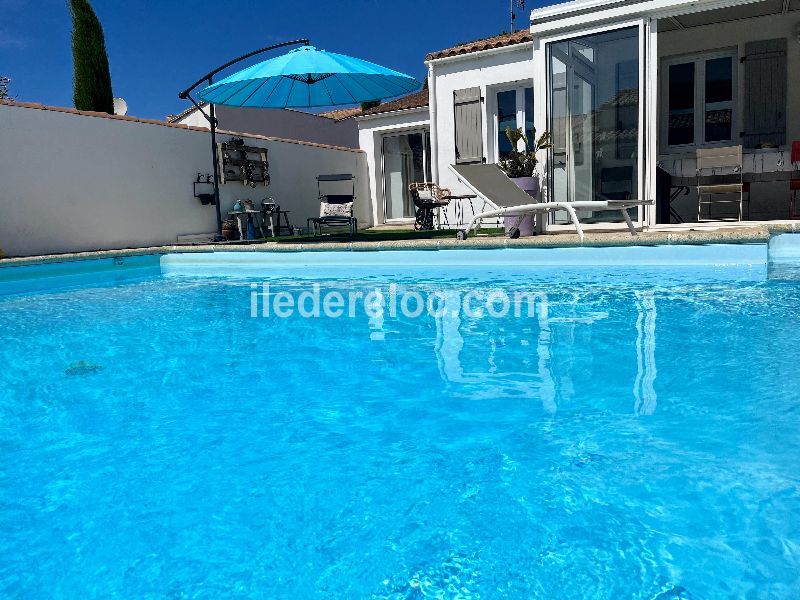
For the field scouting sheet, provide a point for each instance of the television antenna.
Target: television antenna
(512, 4)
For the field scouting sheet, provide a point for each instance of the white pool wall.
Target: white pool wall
(717, 255)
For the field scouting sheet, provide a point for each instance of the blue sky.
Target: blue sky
(157, 48)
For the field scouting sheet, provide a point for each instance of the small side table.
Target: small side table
(275, 226)
(459, 198)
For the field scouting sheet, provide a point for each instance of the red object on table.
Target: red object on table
(794, 184)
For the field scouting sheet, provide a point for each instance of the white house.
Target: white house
(630, 91)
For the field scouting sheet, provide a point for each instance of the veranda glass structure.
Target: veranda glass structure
(594, 116)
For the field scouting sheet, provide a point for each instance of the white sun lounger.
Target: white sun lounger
(492, 185)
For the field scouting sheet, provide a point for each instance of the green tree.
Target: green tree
(4, 81)
(370, 104)
(92, 78)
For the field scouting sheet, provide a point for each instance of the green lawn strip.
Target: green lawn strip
(380, 235)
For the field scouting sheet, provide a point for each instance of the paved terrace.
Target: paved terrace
(667, 235)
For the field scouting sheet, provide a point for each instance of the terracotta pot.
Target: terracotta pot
(229, 230)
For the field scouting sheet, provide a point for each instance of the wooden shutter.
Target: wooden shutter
(765, 93)
(469, 132)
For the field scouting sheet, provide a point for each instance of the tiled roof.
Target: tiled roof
(185, 113)
(342, 113)
(415, 100)
(498, 41)
(626, 97)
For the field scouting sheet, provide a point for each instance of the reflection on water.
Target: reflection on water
(643, 388)
(572, 319)
(389, 456)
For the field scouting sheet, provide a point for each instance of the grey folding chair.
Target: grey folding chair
(726, 184)
(335, 210)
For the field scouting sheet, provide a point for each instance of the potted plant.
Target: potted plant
(229, 229)
(520, 166)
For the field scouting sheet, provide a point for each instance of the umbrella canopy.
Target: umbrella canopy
(307, 77)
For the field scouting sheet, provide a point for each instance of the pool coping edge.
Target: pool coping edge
(748, 235)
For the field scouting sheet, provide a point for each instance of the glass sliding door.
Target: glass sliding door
(594, 118)
(405, 161)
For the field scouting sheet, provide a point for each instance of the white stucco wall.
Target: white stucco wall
(279, 122)
(371, 130)
(489, 70)
(71, 182)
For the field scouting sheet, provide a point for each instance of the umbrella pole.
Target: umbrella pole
(215, 158)
(212, 120)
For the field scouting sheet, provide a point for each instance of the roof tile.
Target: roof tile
(498, 41)
(341, 113)
(415, 100)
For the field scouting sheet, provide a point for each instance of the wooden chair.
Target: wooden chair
(726, 187)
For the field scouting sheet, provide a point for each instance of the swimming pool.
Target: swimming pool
(633, 436)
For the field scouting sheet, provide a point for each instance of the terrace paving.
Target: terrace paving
(746, 234)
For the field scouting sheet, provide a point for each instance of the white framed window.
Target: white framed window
(513, 107)
(698, 99)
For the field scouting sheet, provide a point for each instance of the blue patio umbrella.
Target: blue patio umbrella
(307, 77)
(302, 78)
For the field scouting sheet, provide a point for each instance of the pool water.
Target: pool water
(637, 437)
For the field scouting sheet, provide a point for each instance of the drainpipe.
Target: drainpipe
(434, 128)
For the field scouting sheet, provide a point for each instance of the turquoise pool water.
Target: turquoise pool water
(636, 437)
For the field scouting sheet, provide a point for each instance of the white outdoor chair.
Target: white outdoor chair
(493, 186)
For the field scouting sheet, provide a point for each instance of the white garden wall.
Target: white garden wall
(278, 122)
(74, 182)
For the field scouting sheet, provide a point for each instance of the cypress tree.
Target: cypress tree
(92, 78)
(370, 104)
